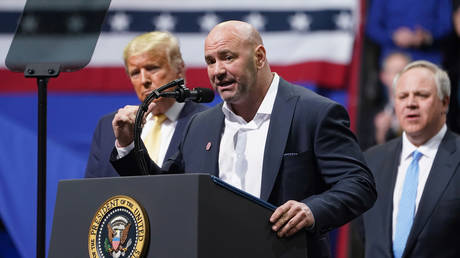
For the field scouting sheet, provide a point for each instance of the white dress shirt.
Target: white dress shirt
(242, 146)
(167, 131)
(428, 150)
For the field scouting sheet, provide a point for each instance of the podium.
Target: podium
(189, 215)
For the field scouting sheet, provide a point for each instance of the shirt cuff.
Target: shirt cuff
(123, 151)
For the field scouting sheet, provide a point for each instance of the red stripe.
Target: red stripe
(342, 242)
(326, 75)
(114, 79)
(86, 80)
(100, 79)
(355, 69)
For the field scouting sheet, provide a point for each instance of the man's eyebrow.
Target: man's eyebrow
(224, 51)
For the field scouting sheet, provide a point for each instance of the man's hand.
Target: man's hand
(456, 19)
(422, 37)
(403, 37)
(123, 125)
(291, 217)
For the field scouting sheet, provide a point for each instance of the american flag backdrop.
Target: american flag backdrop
(308, 42)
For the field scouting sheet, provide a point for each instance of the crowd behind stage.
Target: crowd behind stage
(396, 33)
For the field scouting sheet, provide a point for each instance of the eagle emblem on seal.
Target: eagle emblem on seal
(115, 244)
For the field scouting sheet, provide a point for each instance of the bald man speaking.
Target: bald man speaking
(275, 140)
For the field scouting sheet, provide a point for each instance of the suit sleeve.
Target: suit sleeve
(94, 160)
(350, 184)
(129, 165)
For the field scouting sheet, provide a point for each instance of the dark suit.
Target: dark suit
(310, 156)
(436, 225)
(103, 141)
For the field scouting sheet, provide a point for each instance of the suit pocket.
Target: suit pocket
(298, 162)
(290, 154)
(298, 175)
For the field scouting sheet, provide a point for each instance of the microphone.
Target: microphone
(199, 95)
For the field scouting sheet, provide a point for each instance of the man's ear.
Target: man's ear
(260, 56)
(445, 105)
(180, 67)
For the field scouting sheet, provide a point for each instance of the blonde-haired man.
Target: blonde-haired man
(151, 60)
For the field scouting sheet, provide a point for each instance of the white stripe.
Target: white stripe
(5, 42)
(289, 48)
(282, 48)
(212, 4)
(233, 4)
(12, 5)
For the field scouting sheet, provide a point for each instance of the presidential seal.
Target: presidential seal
(119, 228)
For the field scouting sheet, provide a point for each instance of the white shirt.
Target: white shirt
(429, 150)
(167, 131)
(242, 147)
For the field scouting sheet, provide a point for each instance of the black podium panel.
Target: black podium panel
(190, 216)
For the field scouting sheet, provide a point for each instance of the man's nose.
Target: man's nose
(145, 78)
(411, 101)
(219, 70)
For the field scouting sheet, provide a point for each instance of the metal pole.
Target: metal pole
(41, 175)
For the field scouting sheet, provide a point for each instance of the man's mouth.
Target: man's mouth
(412, 116)
(224, 84)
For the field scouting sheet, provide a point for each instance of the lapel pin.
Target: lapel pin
(208, 146)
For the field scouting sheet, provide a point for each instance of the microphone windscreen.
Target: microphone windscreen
(206, 95)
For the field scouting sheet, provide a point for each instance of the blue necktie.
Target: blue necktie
(406, 209)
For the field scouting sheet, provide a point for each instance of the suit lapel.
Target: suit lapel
(180, 127)
(388, 182)
(278, 132)
(213, 122)
(441, 173)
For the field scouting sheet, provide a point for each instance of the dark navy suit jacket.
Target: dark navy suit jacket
(103, 141)
(436, 227)
(310, 156)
